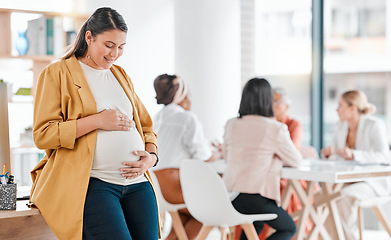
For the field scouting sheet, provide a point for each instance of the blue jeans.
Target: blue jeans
(120, 212)
(256, 204)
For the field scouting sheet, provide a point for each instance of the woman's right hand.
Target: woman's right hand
(327, 152)
(114, 120)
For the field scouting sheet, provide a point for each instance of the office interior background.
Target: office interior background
(216, 46)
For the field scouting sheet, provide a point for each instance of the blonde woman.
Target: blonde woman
(361, 138)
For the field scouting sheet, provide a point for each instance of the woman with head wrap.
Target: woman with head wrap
(180, 136)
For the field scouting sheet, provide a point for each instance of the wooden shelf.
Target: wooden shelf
(41, 61)
(50, 14)
(43, 58)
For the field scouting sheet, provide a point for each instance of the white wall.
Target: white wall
(207, 57)
(198, 40)
(149, 50)
(39, 5)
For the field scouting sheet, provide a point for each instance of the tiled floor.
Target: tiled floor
(368, 234)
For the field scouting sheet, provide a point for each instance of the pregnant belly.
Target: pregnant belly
(115, 147)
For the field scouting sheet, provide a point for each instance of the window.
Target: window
(356, 56)
(282, 52)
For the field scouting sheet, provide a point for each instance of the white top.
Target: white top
(371, 147)
(180, 136)
(112, 147)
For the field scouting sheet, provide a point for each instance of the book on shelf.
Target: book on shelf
(49, 36)
(58, 37)
(36, 34)
(46, 36)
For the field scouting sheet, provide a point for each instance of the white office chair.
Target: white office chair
(207, 200)
(375, 204)
(172, 209)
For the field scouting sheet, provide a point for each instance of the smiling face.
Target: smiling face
(105, 48)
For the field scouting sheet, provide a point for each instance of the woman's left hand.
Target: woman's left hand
(137, 168)
(346, 153)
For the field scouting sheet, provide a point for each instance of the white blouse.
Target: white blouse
(180, 136)
(371, 147)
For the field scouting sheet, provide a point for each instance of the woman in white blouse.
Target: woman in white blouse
(180, 136)
(361, 138)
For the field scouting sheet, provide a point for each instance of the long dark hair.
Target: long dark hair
(103, 19)
(257, 98)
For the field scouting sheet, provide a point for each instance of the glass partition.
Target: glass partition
(283, 53)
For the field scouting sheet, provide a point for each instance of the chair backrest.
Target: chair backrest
(309, 152)
(205, 194)
(374, 201)
(163, 204)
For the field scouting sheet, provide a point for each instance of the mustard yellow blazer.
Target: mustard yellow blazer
(60, 180)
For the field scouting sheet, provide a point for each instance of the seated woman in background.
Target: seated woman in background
(180, 136)
(361, 138)
(255, 148)
(281, 104)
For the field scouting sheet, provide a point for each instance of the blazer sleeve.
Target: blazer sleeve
(286, 150)
(51, 130)
(143, 115)
(378, 151)
(145, 120)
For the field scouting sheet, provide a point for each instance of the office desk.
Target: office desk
(24, 223)
(331, 175)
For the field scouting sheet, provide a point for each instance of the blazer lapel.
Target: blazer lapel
(86, 96)
(360, 140)
(128, 90)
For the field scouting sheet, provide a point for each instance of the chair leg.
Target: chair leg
(178, 226)
(204, 232)
(380, 215)
(231, 235)
(360, 222)
(223, 232)
(250, 232)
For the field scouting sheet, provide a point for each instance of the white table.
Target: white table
(331, 175)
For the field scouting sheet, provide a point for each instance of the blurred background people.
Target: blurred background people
(255, 149)
(281, 104)
(361, 138)
(180, 136)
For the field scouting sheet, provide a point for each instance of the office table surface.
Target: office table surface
(326, 171)
(336, 171)
(331, 175)
(21, 210)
